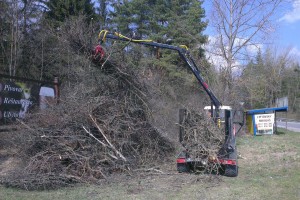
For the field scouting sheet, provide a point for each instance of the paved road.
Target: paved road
(293, 126)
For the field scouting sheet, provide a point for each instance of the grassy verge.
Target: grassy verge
(269, 168)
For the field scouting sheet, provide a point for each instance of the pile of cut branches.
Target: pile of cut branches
(202, 139)
(100, 127)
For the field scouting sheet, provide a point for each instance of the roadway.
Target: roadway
(290, 125)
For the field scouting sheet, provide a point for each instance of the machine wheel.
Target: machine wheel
(183, 167)
(231, 170)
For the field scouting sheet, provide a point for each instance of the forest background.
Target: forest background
(42, 39)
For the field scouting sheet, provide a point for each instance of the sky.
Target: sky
(287, 32)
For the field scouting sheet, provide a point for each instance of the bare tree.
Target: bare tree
(18, 19)
(14, 43)
(240, 25)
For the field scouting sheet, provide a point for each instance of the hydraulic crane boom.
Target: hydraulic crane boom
(227, 156)
(182, 51)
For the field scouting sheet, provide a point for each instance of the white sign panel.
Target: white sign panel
(264, 124)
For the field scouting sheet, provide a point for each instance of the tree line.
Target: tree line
(33, 33)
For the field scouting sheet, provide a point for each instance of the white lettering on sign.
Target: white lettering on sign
(8, 114)
(11, 101)
(10, 88)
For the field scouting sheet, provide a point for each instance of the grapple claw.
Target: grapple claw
(99, 52)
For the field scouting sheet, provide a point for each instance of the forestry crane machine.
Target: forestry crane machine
(184, 161)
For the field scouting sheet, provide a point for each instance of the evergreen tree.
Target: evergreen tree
(103, 12)
(60, 10)
(180, 20)
(185, 23)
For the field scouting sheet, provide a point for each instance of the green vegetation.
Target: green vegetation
(41, 39)
(268, 169)
(177, 22)
(271, 77)
(60, 11)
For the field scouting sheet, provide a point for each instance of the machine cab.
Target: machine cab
(207, 110)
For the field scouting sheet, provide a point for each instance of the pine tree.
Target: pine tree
(179, 21)
(185, 24)
(60, 10)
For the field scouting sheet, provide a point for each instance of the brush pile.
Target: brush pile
(100, 127)
(202, 138)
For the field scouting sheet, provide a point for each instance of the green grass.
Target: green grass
(269, 168)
